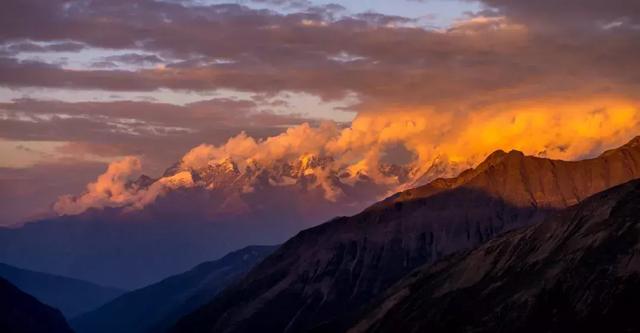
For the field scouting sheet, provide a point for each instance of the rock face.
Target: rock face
(22, 313)
(71, 296)
(158, 306)
(333, 269)
(578, 271)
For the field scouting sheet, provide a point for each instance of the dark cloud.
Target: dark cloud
(135, 59)
(26, 46)
(295, 4)
(575, 14)
(160, 132)
(508, 51)
(521, 49)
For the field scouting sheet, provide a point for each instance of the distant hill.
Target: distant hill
(71, 296)
(158, 306)
(23, 313)
(578, 271)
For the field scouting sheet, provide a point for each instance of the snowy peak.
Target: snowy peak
(306, 164)
(308, 171)
(217, 174)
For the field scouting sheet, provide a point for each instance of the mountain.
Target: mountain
(578, 271)
(71, 296)
(158, 306)
(202, 213)
(22, 313)
(102, 248)
(334, 269)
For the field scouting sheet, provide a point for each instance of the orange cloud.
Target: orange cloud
(111, 189)
(561, 129)
(108, 190)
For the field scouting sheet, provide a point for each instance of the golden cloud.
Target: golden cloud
(554, 128)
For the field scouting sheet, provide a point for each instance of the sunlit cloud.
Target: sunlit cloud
(550, 128)
(280, 81)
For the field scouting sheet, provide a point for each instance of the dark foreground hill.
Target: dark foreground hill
(158, 306)
(71, 296)
(578, 271)
(332, 270)
(23, 313)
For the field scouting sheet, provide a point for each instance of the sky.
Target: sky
(86, 83)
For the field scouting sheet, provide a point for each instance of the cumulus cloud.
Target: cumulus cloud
(108, 190)
(558, 129)
(554, 128)
(552, 79)
(293, 143)
(514, 49)
(113, 189)
(551, 128)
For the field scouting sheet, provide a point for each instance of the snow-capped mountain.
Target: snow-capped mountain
(192, 214)
(331, 271)
(309, 175)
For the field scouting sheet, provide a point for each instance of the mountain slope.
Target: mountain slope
(158, 306)
(130, 254)
(132, 247)
(71, 296)
(22, 313)
(577, 271)
(333, 269)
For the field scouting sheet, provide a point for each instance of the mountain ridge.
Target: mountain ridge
(23, 313)
(184, 226)
(576, 271)
(334, 268)
(69, 295)
(156, 307)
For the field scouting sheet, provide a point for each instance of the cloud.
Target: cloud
(571, 14)
(113, 189)
(553, 79)
(561, 129)
(512, 50)
(116, 129)
(110, 189)
(555, 128)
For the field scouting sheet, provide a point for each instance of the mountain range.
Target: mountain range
(578, 271)
(157, 307)
(330, 271)
(71, 296)
(406, 260)
(203, 212)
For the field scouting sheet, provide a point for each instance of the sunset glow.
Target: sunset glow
(327, 149)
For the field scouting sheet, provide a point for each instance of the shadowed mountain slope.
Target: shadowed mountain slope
(578, 271)
(333, 269)
(186, 225)
(158, 306)
(23, 313)
(71, 296)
